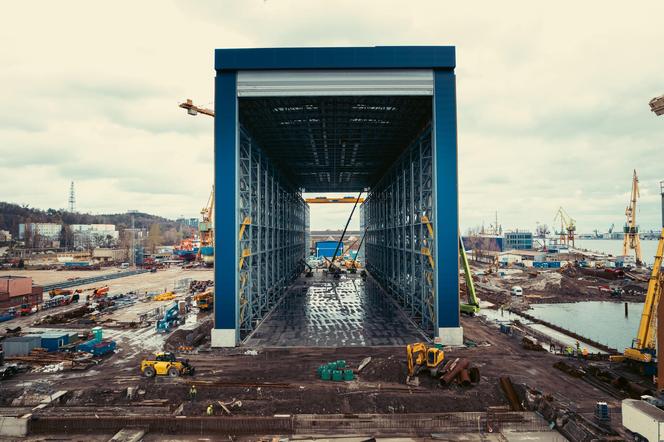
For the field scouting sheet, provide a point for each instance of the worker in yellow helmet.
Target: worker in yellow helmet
(210, 410)
(192, 392)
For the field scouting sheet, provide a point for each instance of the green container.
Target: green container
(332, 365)
(341, 364)
(337, 375)
(320, 369)
(325, 374)
(348, 375)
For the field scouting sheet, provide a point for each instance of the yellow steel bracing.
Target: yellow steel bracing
(245, 254)
(425, 220)
(245, 222)
(425, 251)
(645, 338)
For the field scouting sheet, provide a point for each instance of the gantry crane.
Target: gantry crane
(631, 240)
(206, 226)
(567, 227)
(643, 347)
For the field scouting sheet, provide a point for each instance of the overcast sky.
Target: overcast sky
(552, 100)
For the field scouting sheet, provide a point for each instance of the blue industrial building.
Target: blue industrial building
(518, 240)
(379, 119)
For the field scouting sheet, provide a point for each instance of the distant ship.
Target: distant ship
(187, 250)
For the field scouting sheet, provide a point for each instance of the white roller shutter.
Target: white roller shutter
(334, 83)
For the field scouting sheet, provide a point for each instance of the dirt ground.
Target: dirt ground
(284, 380)
(549, 286)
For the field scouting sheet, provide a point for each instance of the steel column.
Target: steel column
(225, 232)
(446, 220)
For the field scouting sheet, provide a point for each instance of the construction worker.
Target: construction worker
(585, 352)
(210, 410)
(192, 393)
(569, 351)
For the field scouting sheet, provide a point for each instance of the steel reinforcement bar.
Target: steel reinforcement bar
(420, 423)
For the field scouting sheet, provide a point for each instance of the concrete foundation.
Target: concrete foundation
(13, 426)
(450, 336)
(222, 338)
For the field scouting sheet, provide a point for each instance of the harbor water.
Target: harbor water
(614, 247)
(601, 321)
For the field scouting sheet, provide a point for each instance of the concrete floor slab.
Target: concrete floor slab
(327, 312)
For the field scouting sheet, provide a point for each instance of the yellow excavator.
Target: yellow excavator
(643, 349)
(424, 358)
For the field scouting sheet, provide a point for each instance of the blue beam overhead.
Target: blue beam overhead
(379, 57)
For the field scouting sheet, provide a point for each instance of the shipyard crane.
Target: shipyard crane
(631, 230)
(332, 267)
(567, 227)
(192, 109)
(206, 226)
(643, 349)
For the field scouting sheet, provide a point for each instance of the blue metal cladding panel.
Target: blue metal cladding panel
(225, 235)
(446, 194)
(379, 57)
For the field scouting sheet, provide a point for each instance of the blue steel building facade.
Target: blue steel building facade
(379, 119)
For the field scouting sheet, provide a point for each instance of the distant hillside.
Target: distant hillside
(11, 215)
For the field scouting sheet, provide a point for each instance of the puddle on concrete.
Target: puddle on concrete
(327, 312)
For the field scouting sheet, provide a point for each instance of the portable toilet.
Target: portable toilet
(97, 334)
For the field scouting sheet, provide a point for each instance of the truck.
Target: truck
(97, 347)
(643, 420)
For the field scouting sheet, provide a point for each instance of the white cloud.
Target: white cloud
(552, 100)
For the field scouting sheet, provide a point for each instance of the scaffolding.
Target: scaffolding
(274, 221)
(400, 244)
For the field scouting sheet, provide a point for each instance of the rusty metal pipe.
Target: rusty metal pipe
(464, 378)
(454, 371)
(510, 393)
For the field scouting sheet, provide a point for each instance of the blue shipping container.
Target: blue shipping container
(327, 248)
(53, 342)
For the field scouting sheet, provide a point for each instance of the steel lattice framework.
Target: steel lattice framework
(274, 221)
(400, 244)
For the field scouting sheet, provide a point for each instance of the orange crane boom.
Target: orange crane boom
(192, 109)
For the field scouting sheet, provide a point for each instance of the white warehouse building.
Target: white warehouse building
(94, 235)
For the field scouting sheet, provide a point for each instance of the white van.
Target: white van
(516, 291)
(124, 265)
